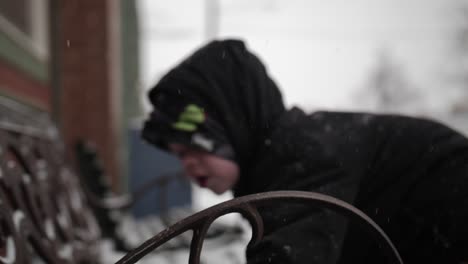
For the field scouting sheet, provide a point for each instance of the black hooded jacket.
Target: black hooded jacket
(409, 175)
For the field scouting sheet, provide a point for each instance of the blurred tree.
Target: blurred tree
(388, 88)
(460, 52)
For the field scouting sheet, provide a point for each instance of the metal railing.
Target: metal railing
(247, 206)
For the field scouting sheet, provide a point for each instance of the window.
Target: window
(26, 22)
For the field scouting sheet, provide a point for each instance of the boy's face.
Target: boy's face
(207, 170)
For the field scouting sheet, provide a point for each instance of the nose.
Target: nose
(189, 163)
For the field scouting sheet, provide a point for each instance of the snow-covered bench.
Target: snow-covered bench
(44, 216)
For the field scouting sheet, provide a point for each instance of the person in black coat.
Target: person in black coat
(224, 117)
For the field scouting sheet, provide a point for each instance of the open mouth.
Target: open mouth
(202, 180)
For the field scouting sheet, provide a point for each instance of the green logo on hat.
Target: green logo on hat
(190, 118)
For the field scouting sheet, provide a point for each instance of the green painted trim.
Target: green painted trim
(23, 59)
(130, 72)
(131, 105)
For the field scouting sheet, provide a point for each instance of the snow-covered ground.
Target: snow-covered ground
(225, 241)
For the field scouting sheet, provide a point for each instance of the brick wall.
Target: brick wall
(86, 92)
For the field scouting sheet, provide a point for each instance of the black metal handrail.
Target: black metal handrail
(247, 206)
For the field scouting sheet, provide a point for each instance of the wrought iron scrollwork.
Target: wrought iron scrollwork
(247, 206)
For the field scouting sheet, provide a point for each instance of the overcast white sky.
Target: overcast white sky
(319, 52)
